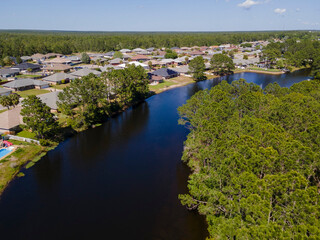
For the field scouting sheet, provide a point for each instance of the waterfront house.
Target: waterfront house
(165, 73)
(10, 120)
(50, 99)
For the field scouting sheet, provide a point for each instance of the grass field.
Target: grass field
(26, 134)
(178, 81)
(61, 86)
(264, 70)
(27, 76)
(32, 92)
(11, 165)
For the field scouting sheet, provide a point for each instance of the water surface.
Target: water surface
(118, 181)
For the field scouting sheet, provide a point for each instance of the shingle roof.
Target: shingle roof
(25, 66)
(24, 83)
(164, 72)
(6, 71)
(4, 91)
(10, 119)
(57, 77)
(84, 72)
(50, 99)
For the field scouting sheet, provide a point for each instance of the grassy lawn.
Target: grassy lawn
(32, 92)
(11, 165)
(61, 86)
(160, 86)
(3, 110)
(180, 81)
(265, 70)
(26, 134)
(27, 76)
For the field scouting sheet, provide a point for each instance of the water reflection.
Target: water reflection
(120, 180)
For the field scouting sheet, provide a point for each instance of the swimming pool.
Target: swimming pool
(5, 151)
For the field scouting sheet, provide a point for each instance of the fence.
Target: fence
(29, 140)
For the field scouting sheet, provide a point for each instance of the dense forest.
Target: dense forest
(255, 160)
(21, 43)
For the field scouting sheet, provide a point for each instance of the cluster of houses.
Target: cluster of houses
(44, 70)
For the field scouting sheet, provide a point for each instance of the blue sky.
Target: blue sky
(161, 15)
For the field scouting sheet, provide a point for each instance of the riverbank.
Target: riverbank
(25, 155)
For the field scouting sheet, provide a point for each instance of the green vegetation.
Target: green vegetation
(38, 118)
(264, 69)
(27, 76)
(26, 134)
(159, 86)
(85, 58)
(296, 53)
(197, 68)
(92, 99)
(11, 100)
(221, 64)
(30, 92)
(255, 160)
(171, 54)
(11, 165)
(22, 43)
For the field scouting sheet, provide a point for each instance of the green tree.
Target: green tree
(245, 57)
(197, 68)
(11, 100)
(221, 63)
(38, 118)
(118, 54)
(255, 160)
(171, 54)
(85, 58)
(84, 101)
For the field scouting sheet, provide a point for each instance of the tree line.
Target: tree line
(21, 43)
(86, 101)
(255, 160)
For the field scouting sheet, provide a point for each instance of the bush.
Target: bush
(44, 142)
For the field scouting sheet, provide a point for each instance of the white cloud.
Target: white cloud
(280, 10)
(248, 4)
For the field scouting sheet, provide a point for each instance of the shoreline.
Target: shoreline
(44, 150)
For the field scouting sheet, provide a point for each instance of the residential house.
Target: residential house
(116, 61)
(26, 66)
(84, 72)
(10, 120)
(165, 73)
(59, 78)
(140, 58)
(183, 70)
(5, 92)
(58, 60)
(145, 66)
(26, 58)
(38, 57)
(50, 99)
(197, 53)
(154, 79)
(25, 84)
(125, 51)
(51, 68)
(8, 72)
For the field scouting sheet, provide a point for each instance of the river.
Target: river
(117, 181)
